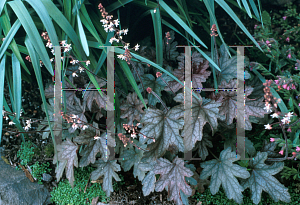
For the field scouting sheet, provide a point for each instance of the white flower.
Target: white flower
(88, 62)
(104, 21)
(268, 127)
(51, 59)
(275, 115)
(74, 75)
(62, 58)
(26, 128)
(290, 114)
(74, 126)
(74, 116)
(49, 44)
(28, 121)
(63, 43)
(117, 22)
(125, 31)
(133, 136)
(285, 120)
(6, 118)
(29, 125)
(111, 29)
(96, 137)
(111, 40)
(126, 46)
(136, 47)
(81, 69)
(268, 108)
(52, 51)
(84, 127)
(121, 56)
(11, 123)
(106, 29)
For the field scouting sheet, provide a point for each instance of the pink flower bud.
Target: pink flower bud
(281, 152)
(277, 82)
(289, 56)
(287, 39)
(288, 88)
(289, 130)
(284, 86)
(293, 87)
(284, 18)
(297, 149)
(255, 26)
(267, 42)
(296, 68)
(272, 139)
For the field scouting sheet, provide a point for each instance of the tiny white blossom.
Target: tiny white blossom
(111, 29)
(28, 121)
(125, 31)
(104, 21)
(74, 75)
(117, 22)
(84, 127)
(63, 43)
(88, 62)
(136, 47)
(268, 108)
(6, 118)
(133, 136)
(126, 46)
(49, 44)
(96, 137)
(74, 116)
(74, 126)
(106, 29)
(51, 59)
(285, 120)
(121, 56)
(275, 115)
(26, 128)
(111, 40)
(52, 51)
(268, 127)
(11, 123)
(81, 69)
(290, 114)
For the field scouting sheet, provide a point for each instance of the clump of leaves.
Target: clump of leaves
(26, 153)
(64, 194)
(39, 169)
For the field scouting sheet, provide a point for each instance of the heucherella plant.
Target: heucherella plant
(151, 140)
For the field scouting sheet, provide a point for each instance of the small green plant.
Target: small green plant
(63, 194)
(287, 172)
(39, 169)
(26, 152)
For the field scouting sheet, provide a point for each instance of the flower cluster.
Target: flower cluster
(110, 26)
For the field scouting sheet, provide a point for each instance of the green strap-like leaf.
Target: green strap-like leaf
(44, 16)
(180, 22)
(82, 36)
(158, 36)
(17, 85)
(33, 34)
(2, 74)
(116, 5)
